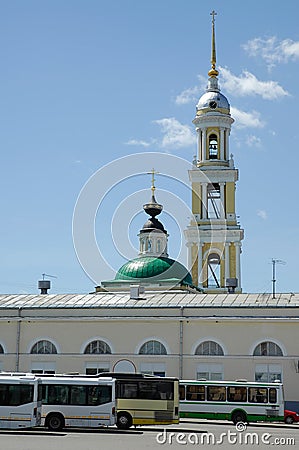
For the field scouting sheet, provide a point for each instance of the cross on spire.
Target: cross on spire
(213, 14)
(153, 171)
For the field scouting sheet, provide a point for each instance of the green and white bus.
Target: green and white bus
(238, 401)
(20, 401)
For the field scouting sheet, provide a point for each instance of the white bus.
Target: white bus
(20, 401)
(73, 401)
(239, 401)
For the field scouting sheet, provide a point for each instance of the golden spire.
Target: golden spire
(213, 72)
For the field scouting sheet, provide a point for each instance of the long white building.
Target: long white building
(173, 333)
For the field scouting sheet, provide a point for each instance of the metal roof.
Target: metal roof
(167, 299)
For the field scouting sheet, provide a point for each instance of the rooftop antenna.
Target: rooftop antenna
(274, 262)
(45, 285)
(46, 275)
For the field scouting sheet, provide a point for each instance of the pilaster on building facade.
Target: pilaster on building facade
(214, 235)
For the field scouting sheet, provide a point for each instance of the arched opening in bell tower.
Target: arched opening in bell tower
(214, 201)
(213, 270)
(213, 146)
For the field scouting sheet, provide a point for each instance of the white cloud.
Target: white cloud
(191, 95)
(273, 51)
(248, 84)
(253, 141)
(262, 214)
(188, 96)
(139, 143)
(246, 119)
(176, 135)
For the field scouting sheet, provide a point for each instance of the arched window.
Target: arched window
(209, 348)
(215, 205)
(213, 146)
(158, 246)
(152, 348)
(1, 349)
(98, 347)
(43, 348)
(214, 270)
(267, 348)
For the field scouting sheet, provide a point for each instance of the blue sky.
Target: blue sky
(83, 83)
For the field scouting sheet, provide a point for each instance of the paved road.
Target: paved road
(189, 434)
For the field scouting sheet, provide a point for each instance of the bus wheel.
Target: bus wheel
(124, 421)
(239, 416)
(55, 422)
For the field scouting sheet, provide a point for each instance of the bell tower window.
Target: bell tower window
(214, 270)
(214, 201)
(213, 147)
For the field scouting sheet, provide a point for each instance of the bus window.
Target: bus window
(127, 389)
(98, 395)
(26, 394)
(258, 395)
(272, 395)
(20, 394)
(195, 392)
(165, 389)
(78, 395)
(216, 393)
(3, 395)
(55, 394)
(149, 391)
(237, 394)
(182, 392)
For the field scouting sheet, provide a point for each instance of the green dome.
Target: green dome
(154, 269)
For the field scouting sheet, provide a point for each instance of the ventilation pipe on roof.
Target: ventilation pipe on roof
(44, 286)
(231, 284)
(136, 291)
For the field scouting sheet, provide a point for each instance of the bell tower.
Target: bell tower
(214, 238)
